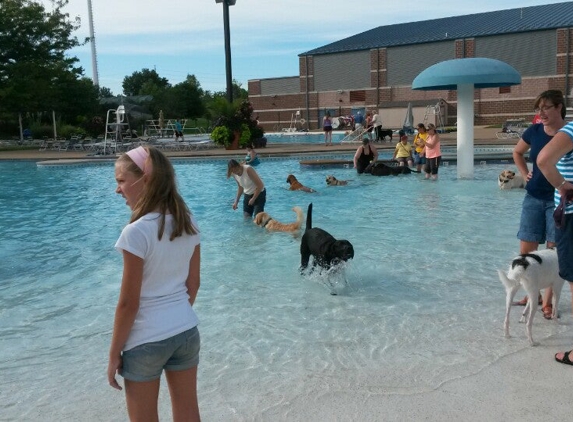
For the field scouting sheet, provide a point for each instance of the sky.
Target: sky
(186, 37)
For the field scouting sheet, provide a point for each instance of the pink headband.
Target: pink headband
(139, 156)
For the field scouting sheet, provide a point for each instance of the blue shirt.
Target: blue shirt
(537, 186)
(359, 119)
(565, 167)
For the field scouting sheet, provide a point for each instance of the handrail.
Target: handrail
(353, 136)
(199, 130)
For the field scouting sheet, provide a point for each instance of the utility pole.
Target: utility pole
(229, 72)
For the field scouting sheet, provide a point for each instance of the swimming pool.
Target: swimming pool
(302, 137)
(423, 303)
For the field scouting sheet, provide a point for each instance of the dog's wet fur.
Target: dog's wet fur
(326, 251)
(532, 271)
(296, 185)
(380, 168)
(333, 181)
(263, 219)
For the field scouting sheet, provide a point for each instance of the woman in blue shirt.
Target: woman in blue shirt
(536, 225)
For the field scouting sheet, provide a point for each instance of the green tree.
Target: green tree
(185, 99)
(215, 101)
(78, 98)
(33, 59)
(239, 93)
(140, 83)
(104, 92)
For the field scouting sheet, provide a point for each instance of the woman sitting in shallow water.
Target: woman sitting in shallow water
(252, 158)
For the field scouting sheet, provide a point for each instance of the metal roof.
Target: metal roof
(479, 71)
(510, 21)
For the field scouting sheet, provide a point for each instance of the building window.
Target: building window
(505, 90)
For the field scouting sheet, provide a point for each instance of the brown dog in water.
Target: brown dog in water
(296, 185)
(263, 219)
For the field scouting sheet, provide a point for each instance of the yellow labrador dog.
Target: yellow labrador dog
(333, 181)
(263, 219)
(510, 180)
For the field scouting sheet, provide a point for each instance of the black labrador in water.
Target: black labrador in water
(380, 168)
(326, 250)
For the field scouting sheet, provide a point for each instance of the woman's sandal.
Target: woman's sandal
(565, 358)
(547, 311)
(523, 301)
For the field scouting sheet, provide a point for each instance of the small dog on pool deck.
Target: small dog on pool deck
(333, 181)
(532, 271)
(263, 219)
(296, 185)
(386, 133)
(509, 180)
(326, 250)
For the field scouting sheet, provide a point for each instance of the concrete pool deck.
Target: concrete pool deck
(482, 137)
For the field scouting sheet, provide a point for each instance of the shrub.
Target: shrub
(221, 135)
(245, 138)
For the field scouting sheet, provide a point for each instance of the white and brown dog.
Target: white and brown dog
(333, 181)
(263, 219)
(510, 180)
(532, 271)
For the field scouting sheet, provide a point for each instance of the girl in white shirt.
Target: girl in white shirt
(155, 327)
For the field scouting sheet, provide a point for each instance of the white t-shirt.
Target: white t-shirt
(164, 308)
(245, 181)
(376, 120)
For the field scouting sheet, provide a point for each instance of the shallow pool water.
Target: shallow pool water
(419, 305)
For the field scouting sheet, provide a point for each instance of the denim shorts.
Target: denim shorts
(147, 361)
(419, 159)
(537, 224)
(565, 248)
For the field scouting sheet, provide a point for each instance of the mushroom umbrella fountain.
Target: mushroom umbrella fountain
(465, 75)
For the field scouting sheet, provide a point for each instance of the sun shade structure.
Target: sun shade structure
(465, 75)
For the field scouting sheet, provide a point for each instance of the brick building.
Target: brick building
(375, 69)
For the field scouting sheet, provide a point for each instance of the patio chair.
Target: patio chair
(64, 146)
(512, 129)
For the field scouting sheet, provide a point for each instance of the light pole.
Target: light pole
(95, 77)
(226, 4)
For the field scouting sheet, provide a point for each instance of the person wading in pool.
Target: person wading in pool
(155, 327)
(433, 153)
(249, 183)
(252, 158)
(365, 155)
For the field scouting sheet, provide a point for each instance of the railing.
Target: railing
(354, 136)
